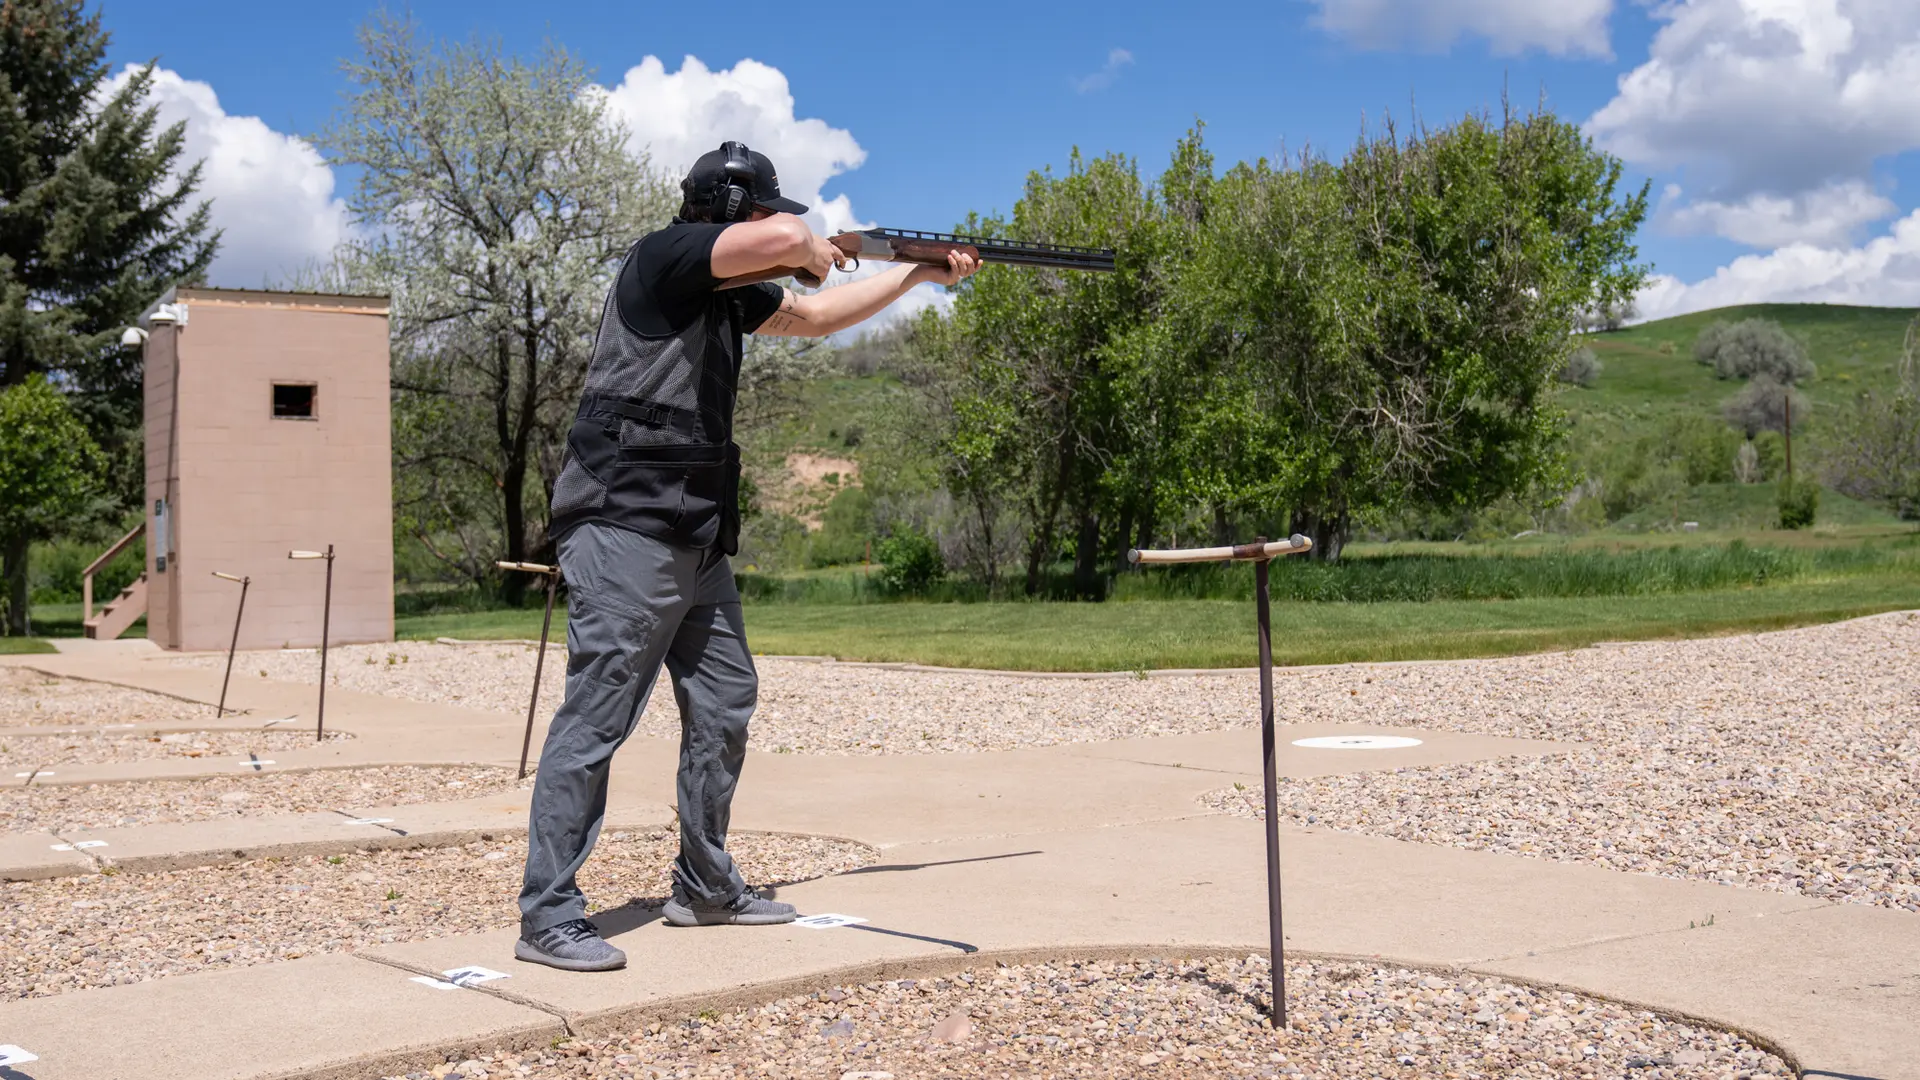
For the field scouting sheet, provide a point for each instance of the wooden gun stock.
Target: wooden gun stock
(931, 249)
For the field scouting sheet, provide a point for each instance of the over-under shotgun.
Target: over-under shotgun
(930, 249)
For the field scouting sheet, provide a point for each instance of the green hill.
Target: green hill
(1649, 372)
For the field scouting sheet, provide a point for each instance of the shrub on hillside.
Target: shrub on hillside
(1753, 348)
(1763, 405)
(846, 526)
(1799, 501)
(910, 562)
(1582, 367)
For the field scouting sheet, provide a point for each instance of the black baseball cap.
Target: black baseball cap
(710, 172)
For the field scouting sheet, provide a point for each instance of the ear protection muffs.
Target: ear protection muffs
(733, 200)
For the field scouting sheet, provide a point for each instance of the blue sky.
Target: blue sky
(1776, 119)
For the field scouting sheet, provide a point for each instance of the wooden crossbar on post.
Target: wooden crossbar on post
(552, 574)
(1260, 552)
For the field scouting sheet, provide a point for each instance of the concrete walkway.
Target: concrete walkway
(1090, 849)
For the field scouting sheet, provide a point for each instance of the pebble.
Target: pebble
(1123, 1019)
(73, 933)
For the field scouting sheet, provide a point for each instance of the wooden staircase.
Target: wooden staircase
(125, 609)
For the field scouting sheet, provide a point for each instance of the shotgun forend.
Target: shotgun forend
(931, 248)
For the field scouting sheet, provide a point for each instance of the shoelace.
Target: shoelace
(574, 930)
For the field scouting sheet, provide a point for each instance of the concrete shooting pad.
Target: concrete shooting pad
(1074, 849)
(323, 1016)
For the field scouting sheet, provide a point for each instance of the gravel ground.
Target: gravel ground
(1156, 1019)
(74, 933)
(28, 698)
(103, 747)
(1786, 761)
(152, 802)
(806, 707)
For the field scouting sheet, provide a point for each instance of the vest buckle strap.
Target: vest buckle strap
(640, 410)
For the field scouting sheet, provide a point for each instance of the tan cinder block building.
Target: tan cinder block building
(267, 430)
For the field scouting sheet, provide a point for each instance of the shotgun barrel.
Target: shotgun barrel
(931, 248)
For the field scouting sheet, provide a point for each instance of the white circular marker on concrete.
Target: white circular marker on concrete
(1357, 742)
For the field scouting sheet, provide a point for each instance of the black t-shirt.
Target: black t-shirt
(669, 281)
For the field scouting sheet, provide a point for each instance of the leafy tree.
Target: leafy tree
(49, 473)
(498, 196)
(1034, 411)
(93, 225)
(1381, 335)
(1876, 455)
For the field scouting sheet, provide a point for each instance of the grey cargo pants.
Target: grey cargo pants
(634, 603)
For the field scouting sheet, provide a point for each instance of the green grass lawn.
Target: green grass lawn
(1212, 633)
(15, 646)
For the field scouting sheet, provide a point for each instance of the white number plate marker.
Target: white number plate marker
(80, 845)
(13, 1055)
(827, 922)
(368, 821)
(1357, 742)
(428, 980)
(473, 974)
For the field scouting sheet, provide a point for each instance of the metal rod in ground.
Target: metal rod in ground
(539, 661)
(326, 617)
(1276, 938)
(221, 709)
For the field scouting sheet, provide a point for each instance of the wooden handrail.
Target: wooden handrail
(86, 576)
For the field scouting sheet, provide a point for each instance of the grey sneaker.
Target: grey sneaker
(747, 909)
(570, 946)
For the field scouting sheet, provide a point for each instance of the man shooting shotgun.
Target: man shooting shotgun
(646, 512)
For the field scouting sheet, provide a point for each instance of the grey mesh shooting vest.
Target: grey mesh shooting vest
(651, 448)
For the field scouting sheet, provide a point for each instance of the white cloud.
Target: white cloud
(1107, 75)
(272, 193)
(677, 116)
(1885, 271)
(1562, 27)
(1770, 96)
(1828, 216)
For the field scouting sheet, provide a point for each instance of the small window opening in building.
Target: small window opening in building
(293, 401)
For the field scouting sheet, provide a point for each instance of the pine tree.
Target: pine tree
(94, 226)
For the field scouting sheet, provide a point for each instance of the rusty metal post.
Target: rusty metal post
(1260, 553)
(1277, 948)
(552, 574)
(221, 709)
(326, 619)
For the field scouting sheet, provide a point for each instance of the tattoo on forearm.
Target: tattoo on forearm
(788, 318)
